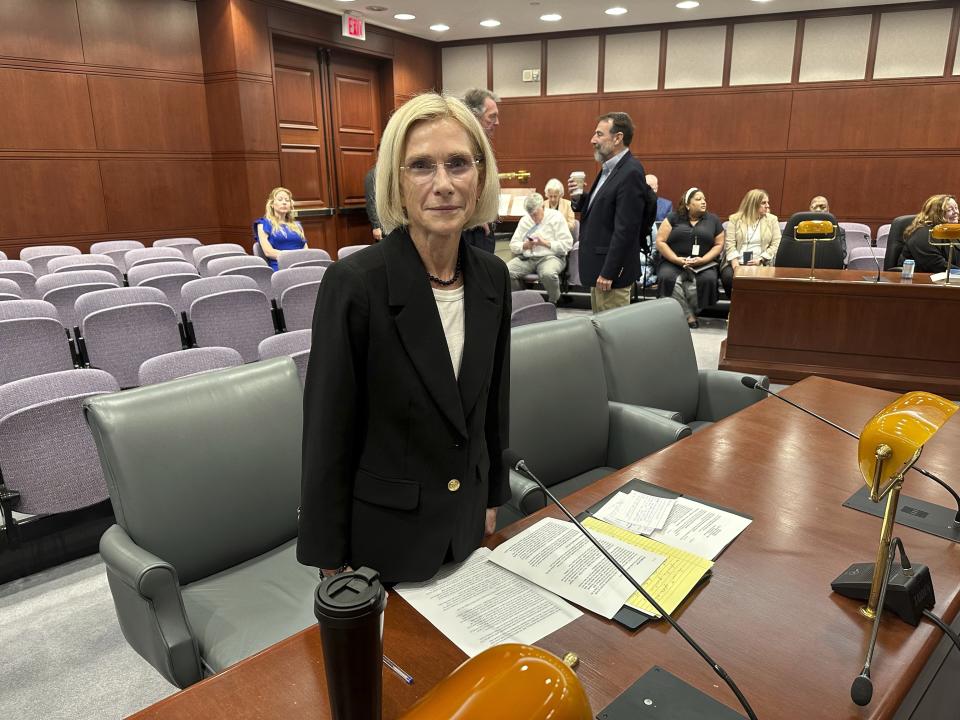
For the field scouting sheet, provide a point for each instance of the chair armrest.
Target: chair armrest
(636, 432)
(146, 594)
(526, 497)
(668, 414)
(722, 394)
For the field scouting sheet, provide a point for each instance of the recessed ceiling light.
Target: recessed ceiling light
(490, 23)
(552, 17)
(616, 11)
(376, 8)
(688, 4)
(404, 16)
(439, 27)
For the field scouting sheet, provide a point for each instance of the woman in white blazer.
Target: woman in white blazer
(751, 238)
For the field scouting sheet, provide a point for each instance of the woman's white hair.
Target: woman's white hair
(425, 108)
(533, 203)
(553, 184)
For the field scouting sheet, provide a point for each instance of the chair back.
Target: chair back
(237, 319)
(349, 250)
(865, 258)
(32, 341)
(283, 279)
(116, 249)
(200, 287)
(184, 245)
(298, 303)
(39, 255)
(190, 455)
(182, 363)
(72, 263)
(221, 263)
(9, 290)
(51, 476)
(295, 344)
(882, 234)
(556, 377)
(793, 253)
(63, 288)
(893, 252)
(3, 255)
(288, 258)
(145, 256)
(573, 266)
(858, 236)
(205, 253)
(648, 357)
(20, 272)
(536, 313)
(523, 298)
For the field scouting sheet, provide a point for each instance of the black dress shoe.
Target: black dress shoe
(693, 324)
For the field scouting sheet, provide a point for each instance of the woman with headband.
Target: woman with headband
(689, 242)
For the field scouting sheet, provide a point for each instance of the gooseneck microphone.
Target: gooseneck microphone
(754, 384)
(515, 462)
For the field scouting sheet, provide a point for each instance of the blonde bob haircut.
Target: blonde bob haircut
(426, 108)
(749, 210)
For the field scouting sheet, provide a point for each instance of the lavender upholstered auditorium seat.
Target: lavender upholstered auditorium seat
(349, 250)
(573, 266)
(205, 253)
(258, 251)
(865, 258)
(32, 340)
(145, 256)
(288, 258)
(58, 476)
(538, 312)
(187, 362)
(9, 290)
(63, 288)
(209, 285)
(883, 232)
(248, 265)
(523, 298)
(3, 255)
(184, 245)
(116, 249)
(72, 263)
(294, 344)
(239, 319)
(167, 277)
(122, 327)
(296, 292)
(39, 255)
(858, 236)
(22, 274)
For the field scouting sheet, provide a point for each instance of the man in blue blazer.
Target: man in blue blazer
(615, 211)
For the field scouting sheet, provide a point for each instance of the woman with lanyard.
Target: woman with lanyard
(689, 242)
(752, 237)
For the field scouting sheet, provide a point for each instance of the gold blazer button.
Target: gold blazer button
(453, 485)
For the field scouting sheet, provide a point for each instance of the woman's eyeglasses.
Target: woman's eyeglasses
(457, 167)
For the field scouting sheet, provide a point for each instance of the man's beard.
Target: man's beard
(599, 156)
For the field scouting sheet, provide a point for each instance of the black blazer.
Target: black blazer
(400, 459)
(610, 228)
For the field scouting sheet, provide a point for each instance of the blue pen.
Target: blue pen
(406, 677)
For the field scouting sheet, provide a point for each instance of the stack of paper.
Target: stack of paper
(636, 511)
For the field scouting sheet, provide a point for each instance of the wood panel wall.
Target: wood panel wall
(142, 119)
(875, 148)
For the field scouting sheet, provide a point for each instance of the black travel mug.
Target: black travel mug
(349, 609)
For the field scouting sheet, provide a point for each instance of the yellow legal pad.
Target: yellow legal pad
(672, 581)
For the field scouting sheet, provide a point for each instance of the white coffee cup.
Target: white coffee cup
(579, 178)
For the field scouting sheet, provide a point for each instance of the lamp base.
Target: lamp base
(909, 592)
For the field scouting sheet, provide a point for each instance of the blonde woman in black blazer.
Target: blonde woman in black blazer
(752, 229)
(407, 390)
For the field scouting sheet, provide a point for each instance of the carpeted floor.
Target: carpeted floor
(62, 653)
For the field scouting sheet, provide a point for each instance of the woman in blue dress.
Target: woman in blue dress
(278, 229)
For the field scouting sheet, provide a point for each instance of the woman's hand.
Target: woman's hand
(490, 522)
(330, 572)
(754, 261)
(694, 261)
(735, 263)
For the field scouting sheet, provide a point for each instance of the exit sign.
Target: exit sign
(354, 26)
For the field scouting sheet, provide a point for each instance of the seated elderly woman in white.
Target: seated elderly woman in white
(555, 199)
(540, 244)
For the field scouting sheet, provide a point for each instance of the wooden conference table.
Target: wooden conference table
(767, 614)
(896, 335)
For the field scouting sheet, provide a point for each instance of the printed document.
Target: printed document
(700, 529)
(478, 604)
(636, 511)
(555, 555)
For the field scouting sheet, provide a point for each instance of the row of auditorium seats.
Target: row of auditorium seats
(40, 477)
(238, 541)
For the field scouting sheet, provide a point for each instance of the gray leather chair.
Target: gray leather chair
(201, 562)
(561, 421)
(648, 360)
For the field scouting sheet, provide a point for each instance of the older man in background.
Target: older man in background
(540, 244)
(483, 104)
(820, 204)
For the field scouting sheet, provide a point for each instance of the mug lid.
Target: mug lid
(350, 594)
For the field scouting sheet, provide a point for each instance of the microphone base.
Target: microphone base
(660, 695)
(907, 595)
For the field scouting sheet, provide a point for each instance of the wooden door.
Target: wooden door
(354, 83)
